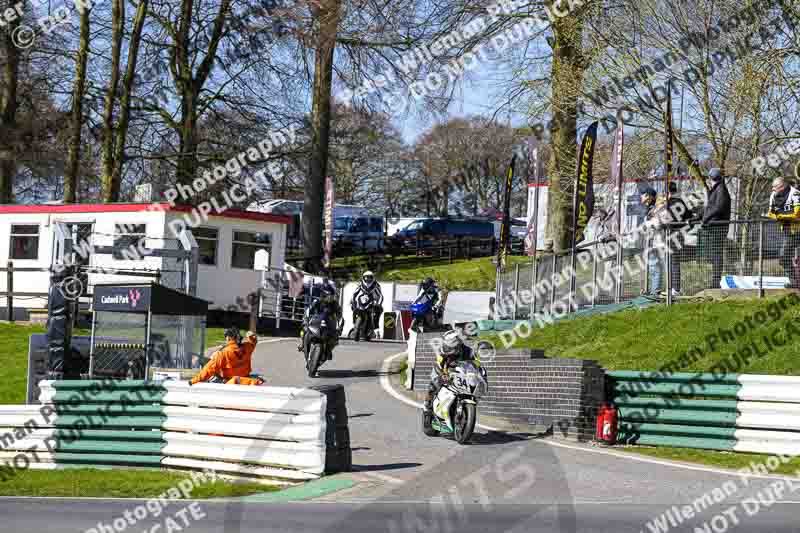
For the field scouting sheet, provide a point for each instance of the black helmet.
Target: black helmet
(327, 288)
(232, 333)
(428, 283)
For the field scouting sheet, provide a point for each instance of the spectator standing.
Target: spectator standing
(648, 200)
(716, 216)
(676, 215)
(784, 206)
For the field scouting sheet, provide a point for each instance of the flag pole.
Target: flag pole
(537, 176)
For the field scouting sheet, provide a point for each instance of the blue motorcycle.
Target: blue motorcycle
(423, 313)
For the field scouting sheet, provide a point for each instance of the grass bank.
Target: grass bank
(118, 483)
(461, 275)
(649, 338)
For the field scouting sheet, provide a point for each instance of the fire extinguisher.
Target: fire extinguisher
(607, 424)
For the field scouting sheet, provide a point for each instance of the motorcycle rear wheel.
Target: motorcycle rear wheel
(465, 423)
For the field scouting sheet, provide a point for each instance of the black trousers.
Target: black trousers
(789, 246)
(716, 236)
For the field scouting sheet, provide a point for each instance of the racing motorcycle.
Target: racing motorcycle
(424, 314)
(319, 338)
(363, 318)
(455, 405)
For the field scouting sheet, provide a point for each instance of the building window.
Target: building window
(129, 239)
(24, 241)
(245, 246)
(207, 239)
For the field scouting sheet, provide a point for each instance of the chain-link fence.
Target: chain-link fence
(667, 262)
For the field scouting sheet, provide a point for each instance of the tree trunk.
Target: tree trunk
(125, 100)
(76, 119)
(567, 78)
(111, 189)
(187, 160)
(328, 17)
(8, 114)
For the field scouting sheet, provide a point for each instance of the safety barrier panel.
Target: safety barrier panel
(287, 434)
(733, 412)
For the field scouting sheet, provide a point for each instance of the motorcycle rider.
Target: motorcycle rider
(328, 302)
(451, 350)
(229, 362)
(372, 289)
(428, 288)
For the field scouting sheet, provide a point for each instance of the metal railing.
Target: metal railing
(670, 262)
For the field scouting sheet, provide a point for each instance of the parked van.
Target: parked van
(364, 234)
(431, 230)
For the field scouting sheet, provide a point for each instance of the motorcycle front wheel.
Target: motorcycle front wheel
(357, 329)
(464, 423)
(313, 359)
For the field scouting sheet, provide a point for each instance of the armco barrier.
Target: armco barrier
(288, 434)
(735, 412)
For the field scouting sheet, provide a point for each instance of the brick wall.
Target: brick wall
(527, 388)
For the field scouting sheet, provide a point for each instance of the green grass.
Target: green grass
(650, 338)
(730, 460)
(118, 483)
(14, 340)
(461, 275)
(215, 337)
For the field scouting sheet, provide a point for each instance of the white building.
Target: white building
(227, 244)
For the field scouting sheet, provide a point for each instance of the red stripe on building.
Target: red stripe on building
(136, 208)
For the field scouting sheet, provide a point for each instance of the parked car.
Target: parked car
(430, 231)
(362, 234)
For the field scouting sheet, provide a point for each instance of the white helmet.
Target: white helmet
(451, 342)
(368, 278)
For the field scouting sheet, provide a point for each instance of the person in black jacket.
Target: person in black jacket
(716, 214)
(677, 216)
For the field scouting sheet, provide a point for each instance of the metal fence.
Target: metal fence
(671, 262)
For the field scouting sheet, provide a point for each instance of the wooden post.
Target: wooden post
(761, 259)
(10, 291)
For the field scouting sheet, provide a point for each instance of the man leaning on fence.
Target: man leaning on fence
(784, 206)
(716, 215)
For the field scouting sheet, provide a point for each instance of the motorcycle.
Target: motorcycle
(456, 403)
(318, 341)
(423, 313)
(364, 327)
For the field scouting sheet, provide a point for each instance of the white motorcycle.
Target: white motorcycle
(456, 403)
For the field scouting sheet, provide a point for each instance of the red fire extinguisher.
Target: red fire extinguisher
(606, 424)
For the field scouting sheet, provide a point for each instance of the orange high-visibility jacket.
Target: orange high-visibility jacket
(226, 363)
(248, 347)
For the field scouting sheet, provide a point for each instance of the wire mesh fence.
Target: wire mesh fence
(666, 262)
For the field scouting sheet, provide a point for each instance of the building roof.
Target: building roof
(6, 209)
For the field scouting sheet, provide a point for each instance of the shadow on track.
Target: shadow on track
(390, 466)
(345, 374)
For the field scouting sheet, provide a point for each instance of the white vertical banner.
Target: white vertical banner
(534, 179)
(328, 217)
